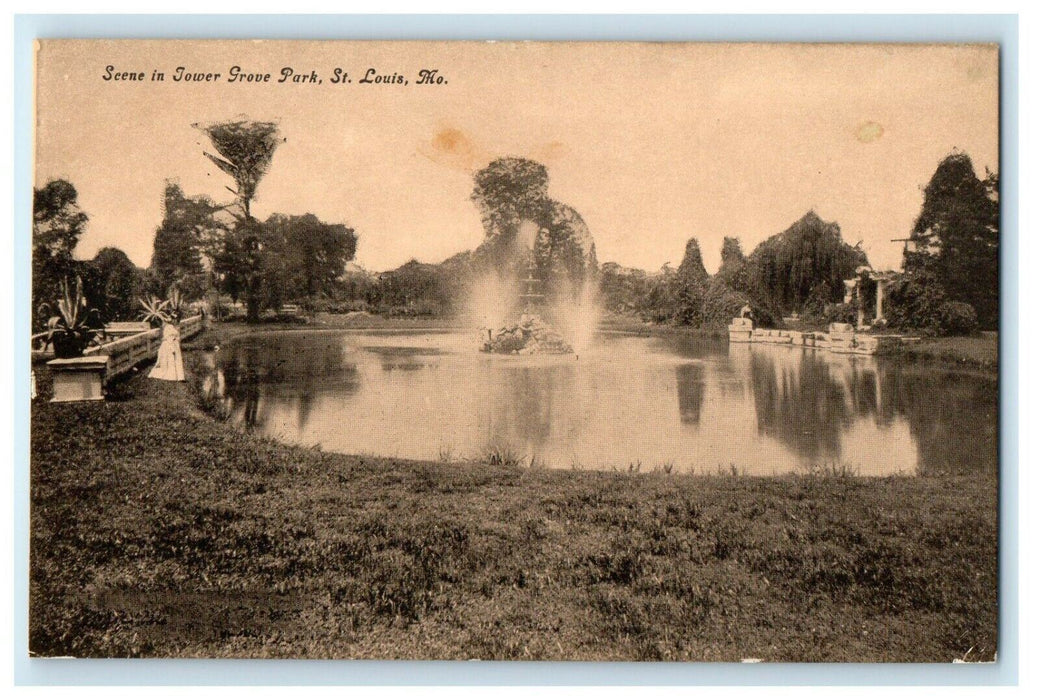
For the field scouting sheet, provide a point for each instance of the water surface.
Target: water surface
(630, 402)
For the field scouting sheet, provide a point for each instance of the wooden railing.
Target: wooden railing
(126, 353)
(191, 326)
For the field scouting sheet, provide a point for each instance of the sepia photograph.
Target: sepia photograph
(564, 351)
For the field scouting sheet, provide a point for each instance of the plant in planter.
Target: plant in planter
(161, 311)
(69, 330)
(156, 311)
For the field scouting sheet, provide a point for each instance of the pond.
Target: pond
(631, 402)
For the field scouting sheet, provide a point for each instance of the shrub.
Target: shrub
(839, 313)
(958, 318)
(915, 301)
(918, 302)
(721, 304)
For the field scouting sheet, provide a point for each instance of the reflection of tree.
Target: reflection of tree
(691, 345)
(800, 404)
(864, 382)
(304, 367)
(689, 381)
(525, 413)
(242, 378)
(952, 415)
(807, 400)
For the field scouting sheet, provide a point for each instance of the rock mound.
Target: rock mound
(530, 336)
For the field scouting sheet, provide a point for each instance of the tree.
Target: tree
(113, 285)
(732, 270)
(58, 223)
(957, 236)
(510, 192)
(306, 255)
(691, 283)
(623, 290)
(244, 151)
(184, 238)
(788, 267)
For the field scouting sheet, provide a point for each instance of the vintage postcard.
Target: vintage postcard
(485, 350)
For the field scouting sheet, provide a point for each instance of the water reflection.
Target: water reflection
(691, 404)
(689, 380)
(258, 377)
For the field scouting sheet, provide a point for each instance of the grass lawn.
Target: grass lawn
(980, 351)
(158, 530)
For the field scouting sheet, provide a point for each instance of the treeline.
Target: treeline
(210, 251)
(202, 249)
(213, 251)
(799, 271)
(261, 263)
(413, 289)
(297, 257)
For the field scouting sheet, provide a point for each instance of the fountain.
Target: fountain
(530, 335)
(538, 260)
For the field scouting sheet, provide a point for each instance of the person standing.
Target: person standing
(170, 364)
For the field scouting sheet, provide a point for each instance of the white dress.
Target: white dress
(170, 365)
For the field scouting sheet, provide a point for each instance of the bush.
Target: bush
(915, 301)
(839, 313)
(337, 306)
(918, 302)
(721, 304)
(415, 309)
(958, 318)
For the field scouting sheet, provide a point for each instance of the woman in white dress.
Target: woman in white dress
(170, 365)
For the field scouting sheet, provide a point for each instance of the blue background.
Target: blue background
(1002, 29)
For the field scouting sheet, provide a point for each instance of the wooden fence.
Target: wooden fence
(126, 353)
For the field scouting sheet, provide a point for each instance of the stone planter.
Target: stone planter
(79, 378)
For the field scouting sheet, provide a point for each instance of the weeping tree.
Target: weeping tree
(790, 267)
(244, 150)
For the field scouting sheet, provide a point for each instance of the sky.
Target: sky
(651, 143)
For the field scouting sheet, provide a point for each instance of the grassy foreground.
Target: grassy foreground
(159, 531)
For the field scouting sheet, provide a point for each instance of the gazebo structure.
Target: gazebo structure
(858, 290)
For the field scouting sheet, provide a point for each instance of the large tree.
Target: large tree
(733, 268)
(791, 266)
(186, 236)
(956, 236)
(58, 223)
(306, 255)
(524, 226)
(113, 285)
(691, 286)
(244, 151)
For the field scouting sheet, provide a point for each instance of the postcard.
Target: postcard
(515, 351)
